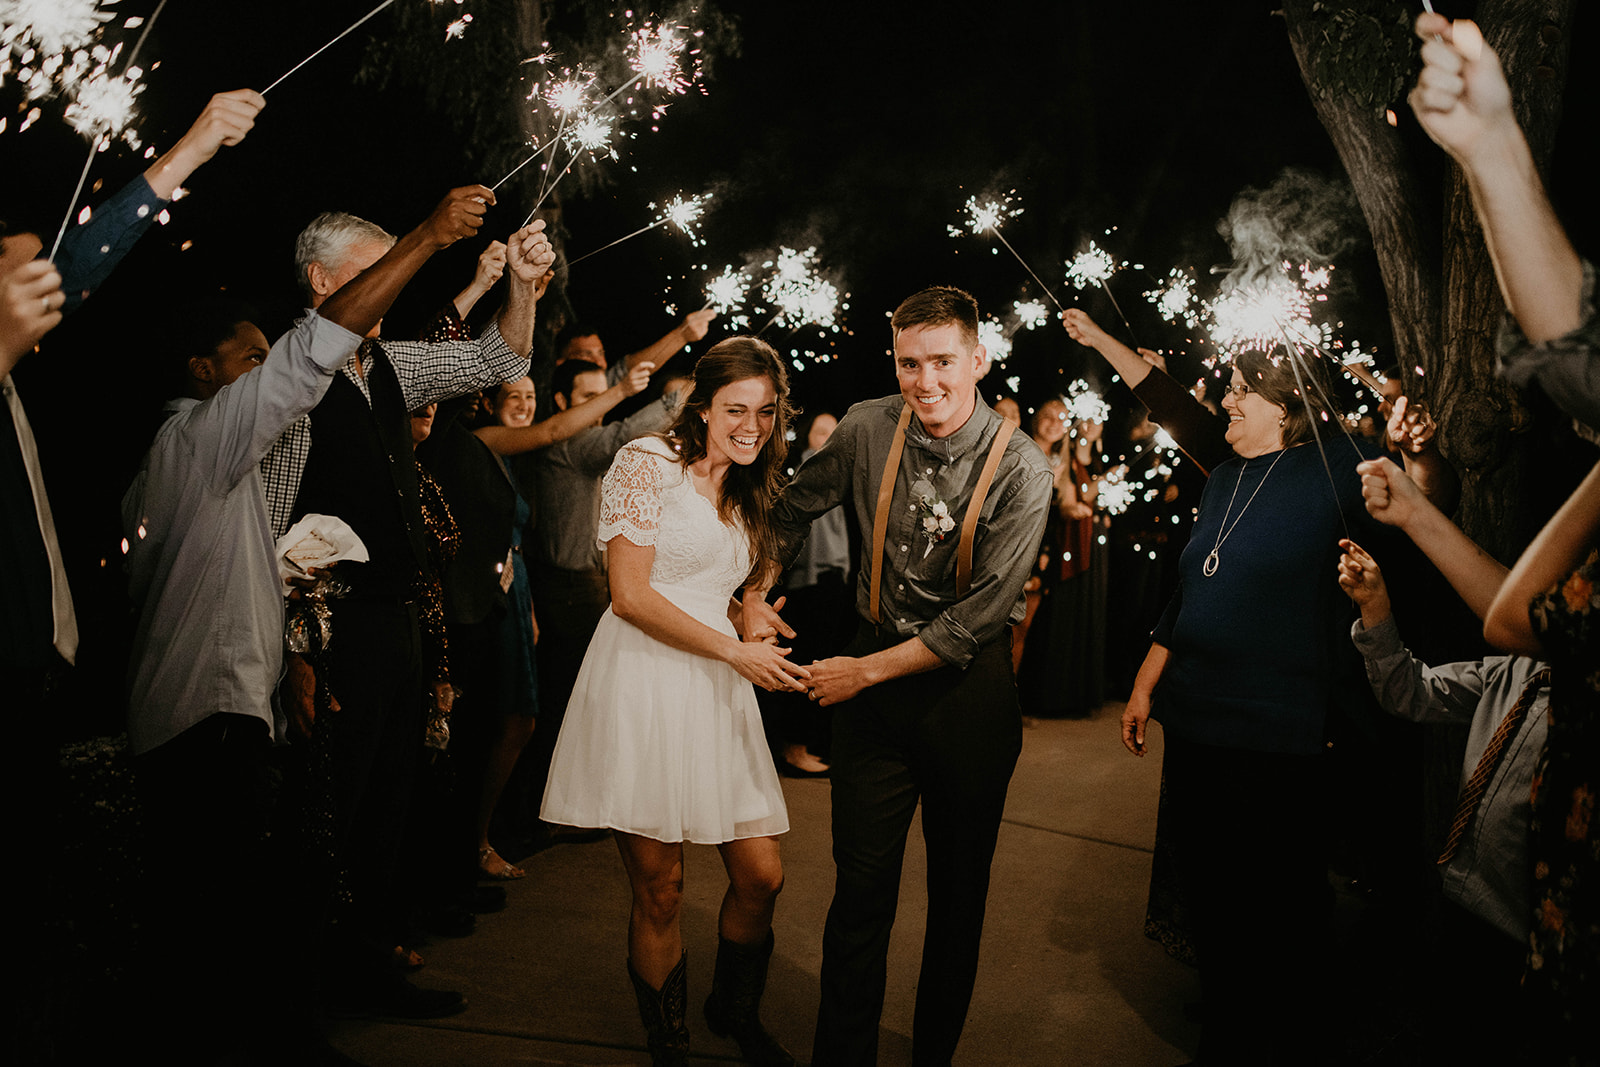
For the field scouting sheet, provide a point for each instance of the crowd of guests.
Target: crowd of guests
(480, 611)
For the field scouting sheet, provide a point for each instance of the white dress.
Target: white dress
(657, 741)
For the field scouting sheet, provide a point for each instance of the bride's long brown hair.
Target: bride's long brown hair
(748, 491)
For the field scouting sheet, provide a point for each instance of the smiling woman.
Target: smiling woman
(663, 740)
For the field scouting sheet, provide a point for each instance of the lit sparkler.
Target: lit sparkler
(1272, 308)
(1086, 405)
(103, 107)
(1031, 313)
(51, 27)
(1094, 266)
(1115, 492)
(678, 212)
(726, 295)
(799, 295)
(992, 336)
(1174, 298)
(457, 28)
(986, 216)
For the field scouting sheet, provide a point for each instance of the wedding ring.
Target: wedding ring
(46, 305)
(812, 693)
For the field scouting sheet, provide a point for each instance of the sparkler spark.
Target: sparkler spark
(1086, 405)
(1032, 313)
(52, 27)
(987, 215)
(568, 94)
(103, 106)
(684, 214)
(653, 53)
(1174, 298)
(992, 336)
(1094, 266)
(726, 293)
(457, 28)
(798, 295)
(590, 133)
(1269, 311)
(1115, 493)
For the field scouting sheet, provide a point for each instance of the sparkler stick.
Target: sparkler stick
(987, 217)
(1095, 265)
(94, 146)
(327, 46)
(1305, 397)
(537, 153)
(682, 213)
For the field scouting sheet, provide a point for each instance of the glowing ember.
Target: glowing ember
(726, 292)
(1268, 312)
(568, 95)
(798, 295)
(1094, 266)
(457, 28)
(684, 214)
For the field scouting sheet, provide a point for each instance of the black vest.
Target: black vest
(361, 469)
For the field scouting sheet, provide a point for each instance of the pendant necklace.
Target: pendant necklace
(1209, 567)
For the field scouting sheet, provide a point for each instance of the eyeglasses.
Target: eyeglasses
(1240, 391)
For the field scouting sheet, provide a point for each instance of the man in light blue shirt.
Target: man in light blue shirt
(207, 651)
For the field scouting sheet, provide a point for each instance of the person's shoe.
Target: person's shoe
(490, 865)
(734, 1006)
(664, 1013)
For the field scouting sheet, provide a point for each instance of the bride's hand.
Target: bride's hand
(768, 666)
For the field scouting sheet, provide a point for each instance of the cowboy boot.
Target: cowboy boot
(664, 1013)
(732, 1009)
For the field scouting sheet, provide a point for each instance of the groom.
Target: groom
(951, 509)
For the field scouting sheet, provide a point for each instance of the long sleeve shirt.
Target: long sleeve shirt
(1488, 874)
(201, 565)
(917, 596)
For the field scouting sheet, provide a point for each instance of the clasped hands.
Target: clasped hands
(825, 681)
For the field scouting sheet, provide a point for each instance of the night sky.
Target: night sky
(858, 127)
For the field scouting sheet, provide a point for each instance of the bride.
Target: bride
(662, 740)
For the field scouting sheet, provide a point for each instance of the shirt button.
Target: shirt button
(902, 548)
(901, 588)
(930, 470)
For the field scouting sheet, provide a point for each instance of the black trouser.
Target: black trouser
(370, 750)
(1250, 836)
(203, 797)
(951, 738)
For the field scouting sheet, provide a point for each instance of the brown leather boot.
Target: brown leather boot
(733, 1008)
(664, 1013)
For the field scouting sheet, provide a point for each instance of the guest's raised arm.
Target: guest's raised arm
(1566, 539)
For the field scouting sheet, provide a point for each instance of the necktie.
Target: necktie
(1472, 793)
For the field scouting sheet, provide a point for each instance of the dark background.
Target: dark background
(858, 127)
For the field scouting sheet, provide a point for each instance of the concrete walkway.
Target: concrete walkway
(1067, 976)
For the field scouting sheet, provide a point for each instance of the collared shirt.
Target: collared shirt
(567, 486)
(201, 564)
(1488, 874)
(429, 371)
(917, 597)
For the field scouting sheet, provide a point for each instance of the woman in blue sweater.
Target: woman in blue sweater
(1247, 661)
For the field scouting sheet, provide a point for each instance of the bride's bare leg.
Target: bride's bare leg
(655, 872)
(755, 875)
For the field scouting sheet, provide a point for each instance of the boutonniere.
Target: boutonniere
(934, 513)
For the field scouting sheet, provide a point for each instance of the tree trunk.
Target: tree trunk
(1357, 59)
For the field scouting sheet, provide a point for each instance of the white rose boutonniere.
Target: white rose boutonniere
(935, 514)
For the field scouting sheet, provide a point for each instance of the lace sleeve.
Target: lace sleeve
(630, 496)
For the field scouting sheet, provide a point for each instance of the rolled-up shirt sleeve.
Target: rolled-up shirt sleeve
(1567, 368)
(438, 370)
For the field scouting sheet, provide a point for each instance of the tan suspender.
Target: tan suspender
(880, 523)
(969, 523)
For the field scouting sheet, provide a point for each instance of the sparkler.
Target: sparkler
(726, 294)
(330, 44)
(1031, 313)
(36, 37)
(799, 295)
(997, 345)
(986, 217)
(1095, 266)
(1086, 405)
(1175, 299)
(678, 211)
(1115, 493)
(106, 105)
(103, 107)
